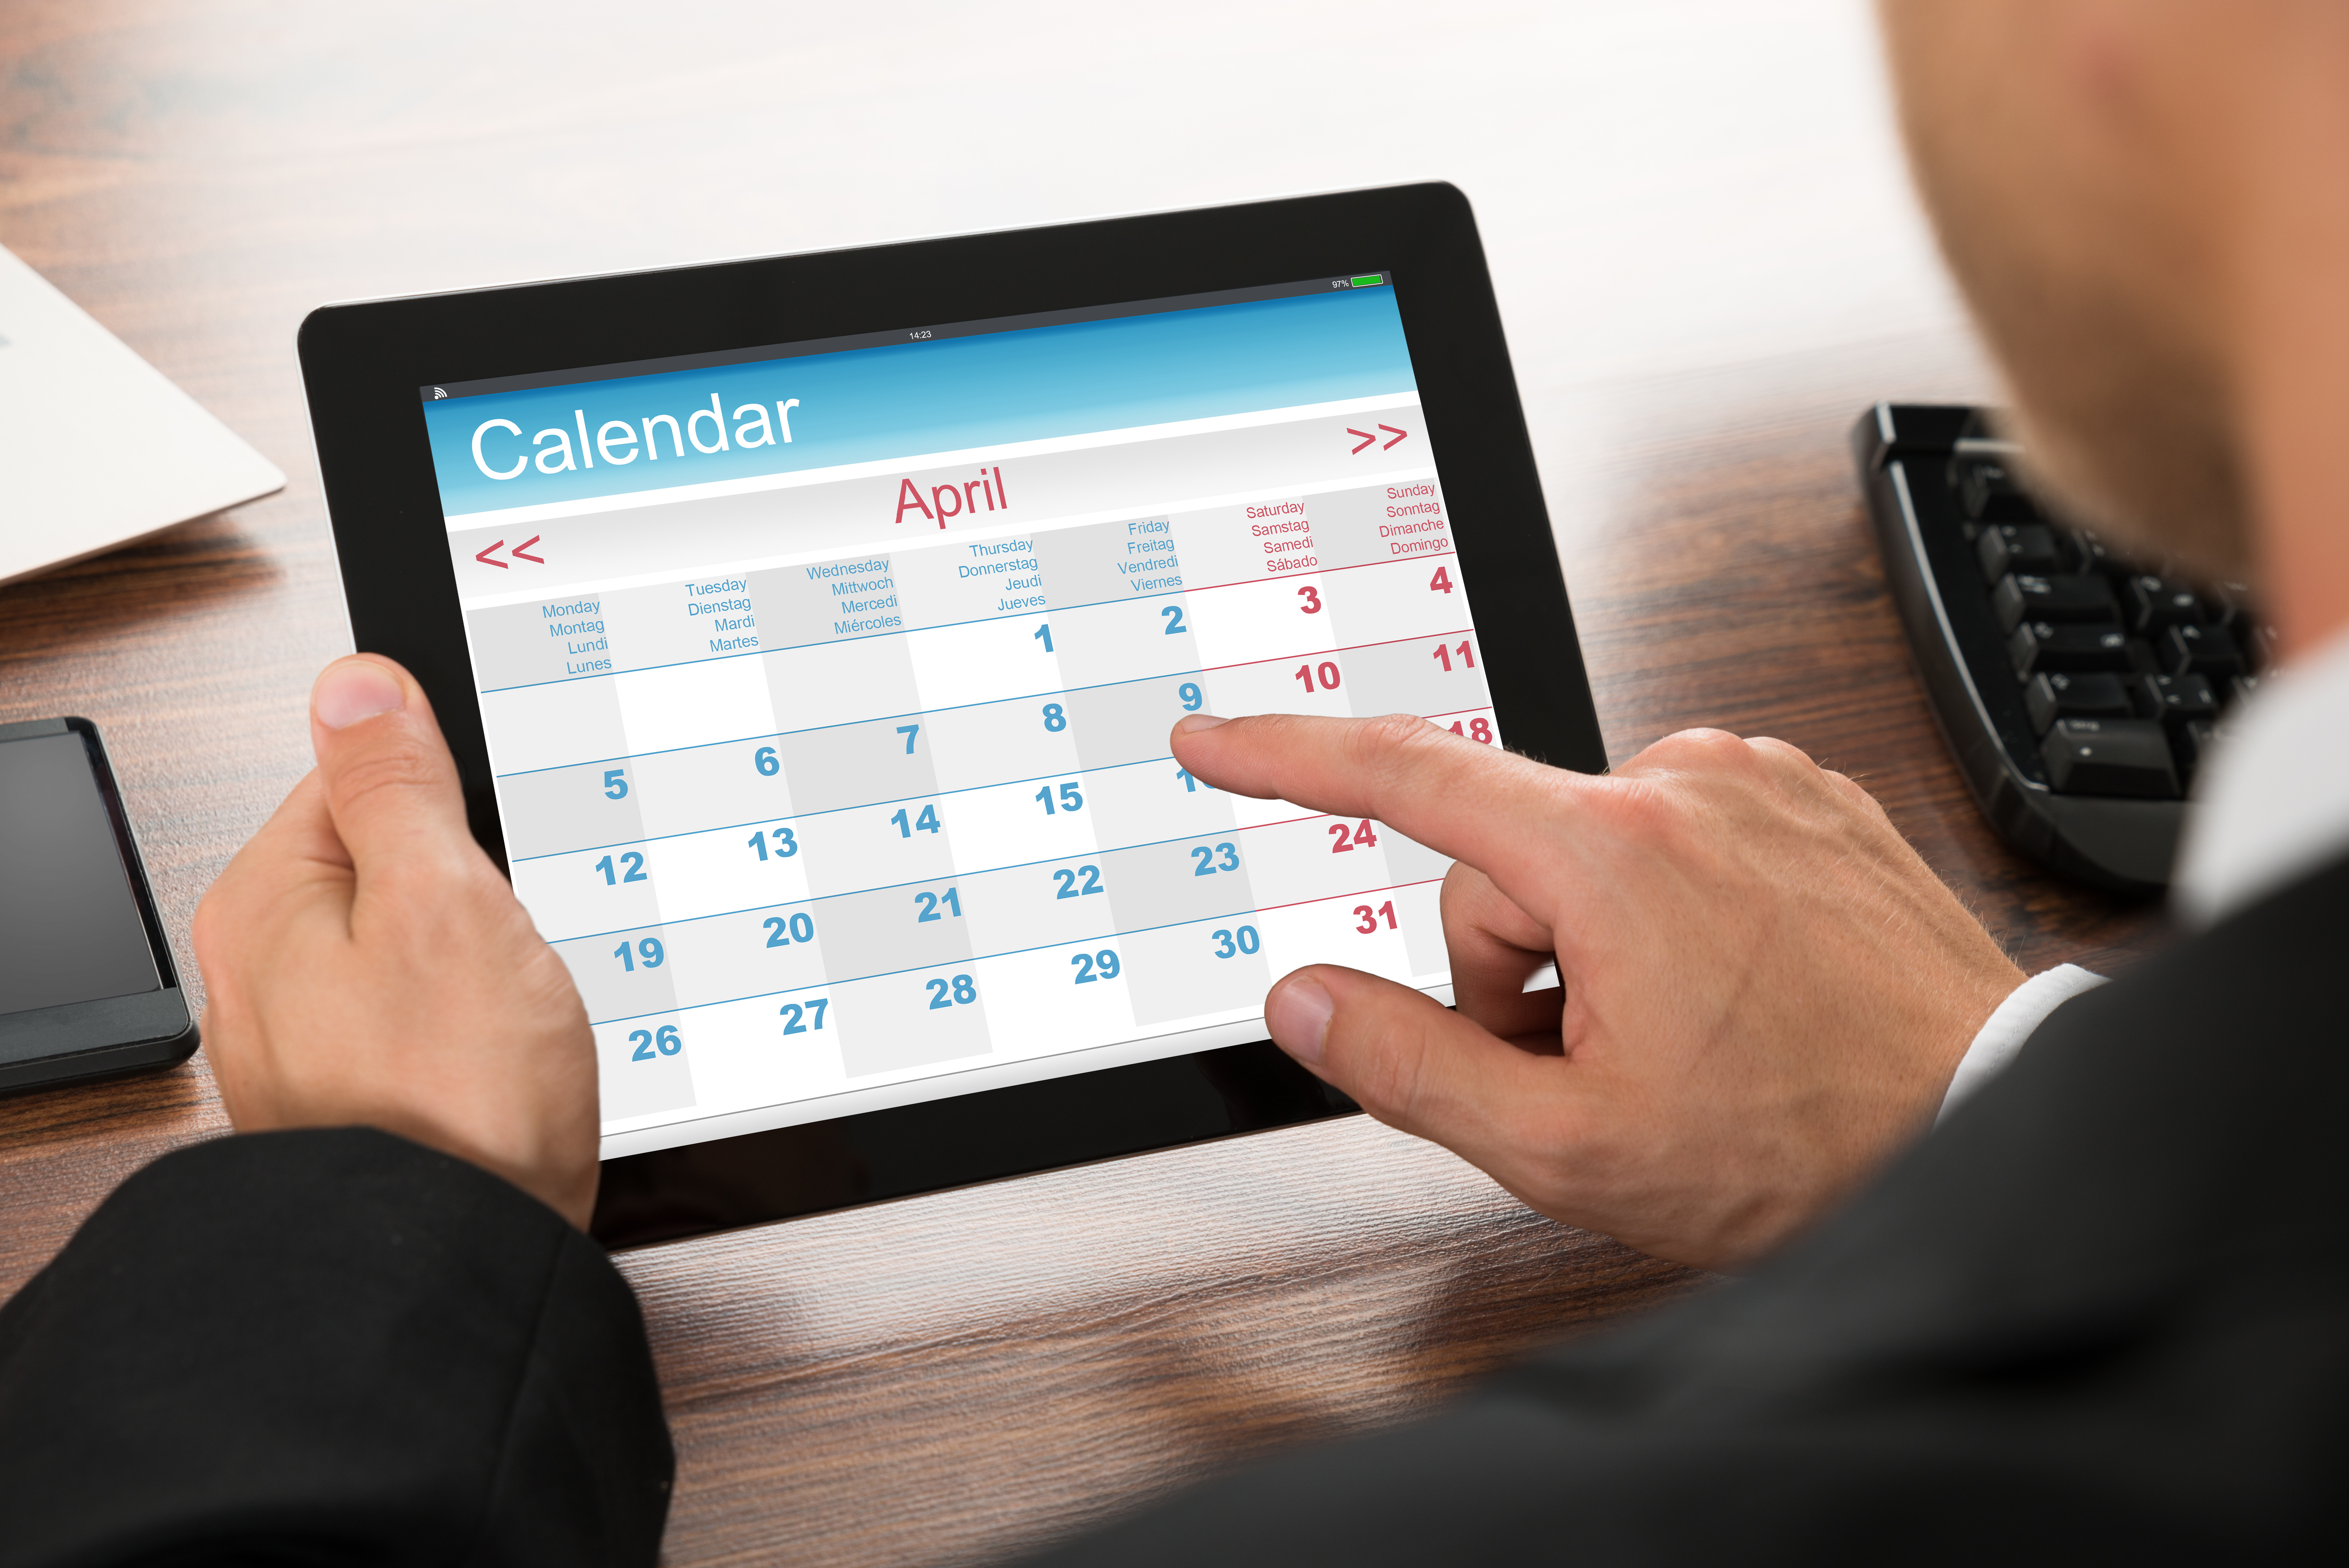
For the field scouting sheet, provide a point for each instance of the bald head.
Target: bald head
(2128, 192)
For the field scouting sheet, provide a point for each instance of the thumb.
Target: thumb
(1410, 1061)
(390, 784)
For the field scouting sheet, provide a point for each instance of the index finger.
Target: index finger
(1459, 797)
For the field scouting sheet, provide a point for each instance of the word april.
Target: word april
(953, 500)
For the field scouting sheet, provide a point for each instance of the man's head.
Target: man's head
(2115, 184)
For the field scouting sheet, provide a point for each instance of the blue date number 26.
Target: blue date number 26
(667, 1041)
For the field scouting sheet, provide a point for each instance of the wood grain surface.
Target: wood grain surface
(1709, 265)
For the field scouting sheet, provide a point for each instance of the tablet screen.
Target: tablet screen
(826, 687)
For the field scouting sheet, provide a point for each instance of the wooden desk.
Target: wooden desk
(1709, 266)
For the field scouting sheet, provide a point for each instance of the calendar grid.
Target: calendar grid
(890, 811)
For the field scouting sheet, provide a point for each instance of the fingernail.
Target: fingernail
(1192, 723)
(354, 690)
(1298, 1013)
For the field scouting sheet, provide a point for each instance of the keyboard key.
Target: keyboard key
(2174, 699)
(2228, 604)
(2025, 596)
(2193, 742)
(2258, 645)
(2087, 696)
(2110, 756)
(2207, 650)
(2240, 688)
(2091, 554)
(2018, 547)
(2039, 646)
(1988, 494)
(2156, 602)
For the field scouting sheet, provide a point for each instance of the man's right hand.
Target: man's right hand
(1765, 989)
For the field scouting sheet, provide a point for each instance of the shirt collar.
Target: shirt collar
(2274, 802)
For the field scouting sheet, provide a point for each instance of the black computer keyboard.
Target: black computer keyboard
(2078, 688)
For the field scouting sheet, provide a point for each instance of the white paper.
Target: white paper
(96, 447)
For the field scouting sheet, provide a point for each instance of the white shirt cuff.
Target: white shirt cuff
(2003, 1034)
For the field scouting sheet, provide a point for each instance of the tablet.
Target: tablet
(809, 631)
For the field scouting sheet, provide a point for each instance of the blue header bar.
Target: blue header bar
(738, 421)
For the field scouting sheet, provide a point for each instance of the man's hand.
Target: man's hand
(1763, 990)
(365, 964)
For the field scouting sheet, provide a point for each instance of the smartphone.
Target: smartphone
(87, 988)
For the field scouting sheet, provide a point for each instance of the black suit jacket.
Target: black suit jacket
(2103, 1311)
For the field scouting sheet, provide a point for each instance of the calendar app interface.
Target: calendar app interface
(827, 688)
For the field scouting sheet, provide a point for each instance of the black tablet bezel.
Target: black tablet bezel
(362, 364)
(108, 1036)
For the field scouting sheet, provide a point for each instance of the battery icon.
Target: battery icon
(1368, 280)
